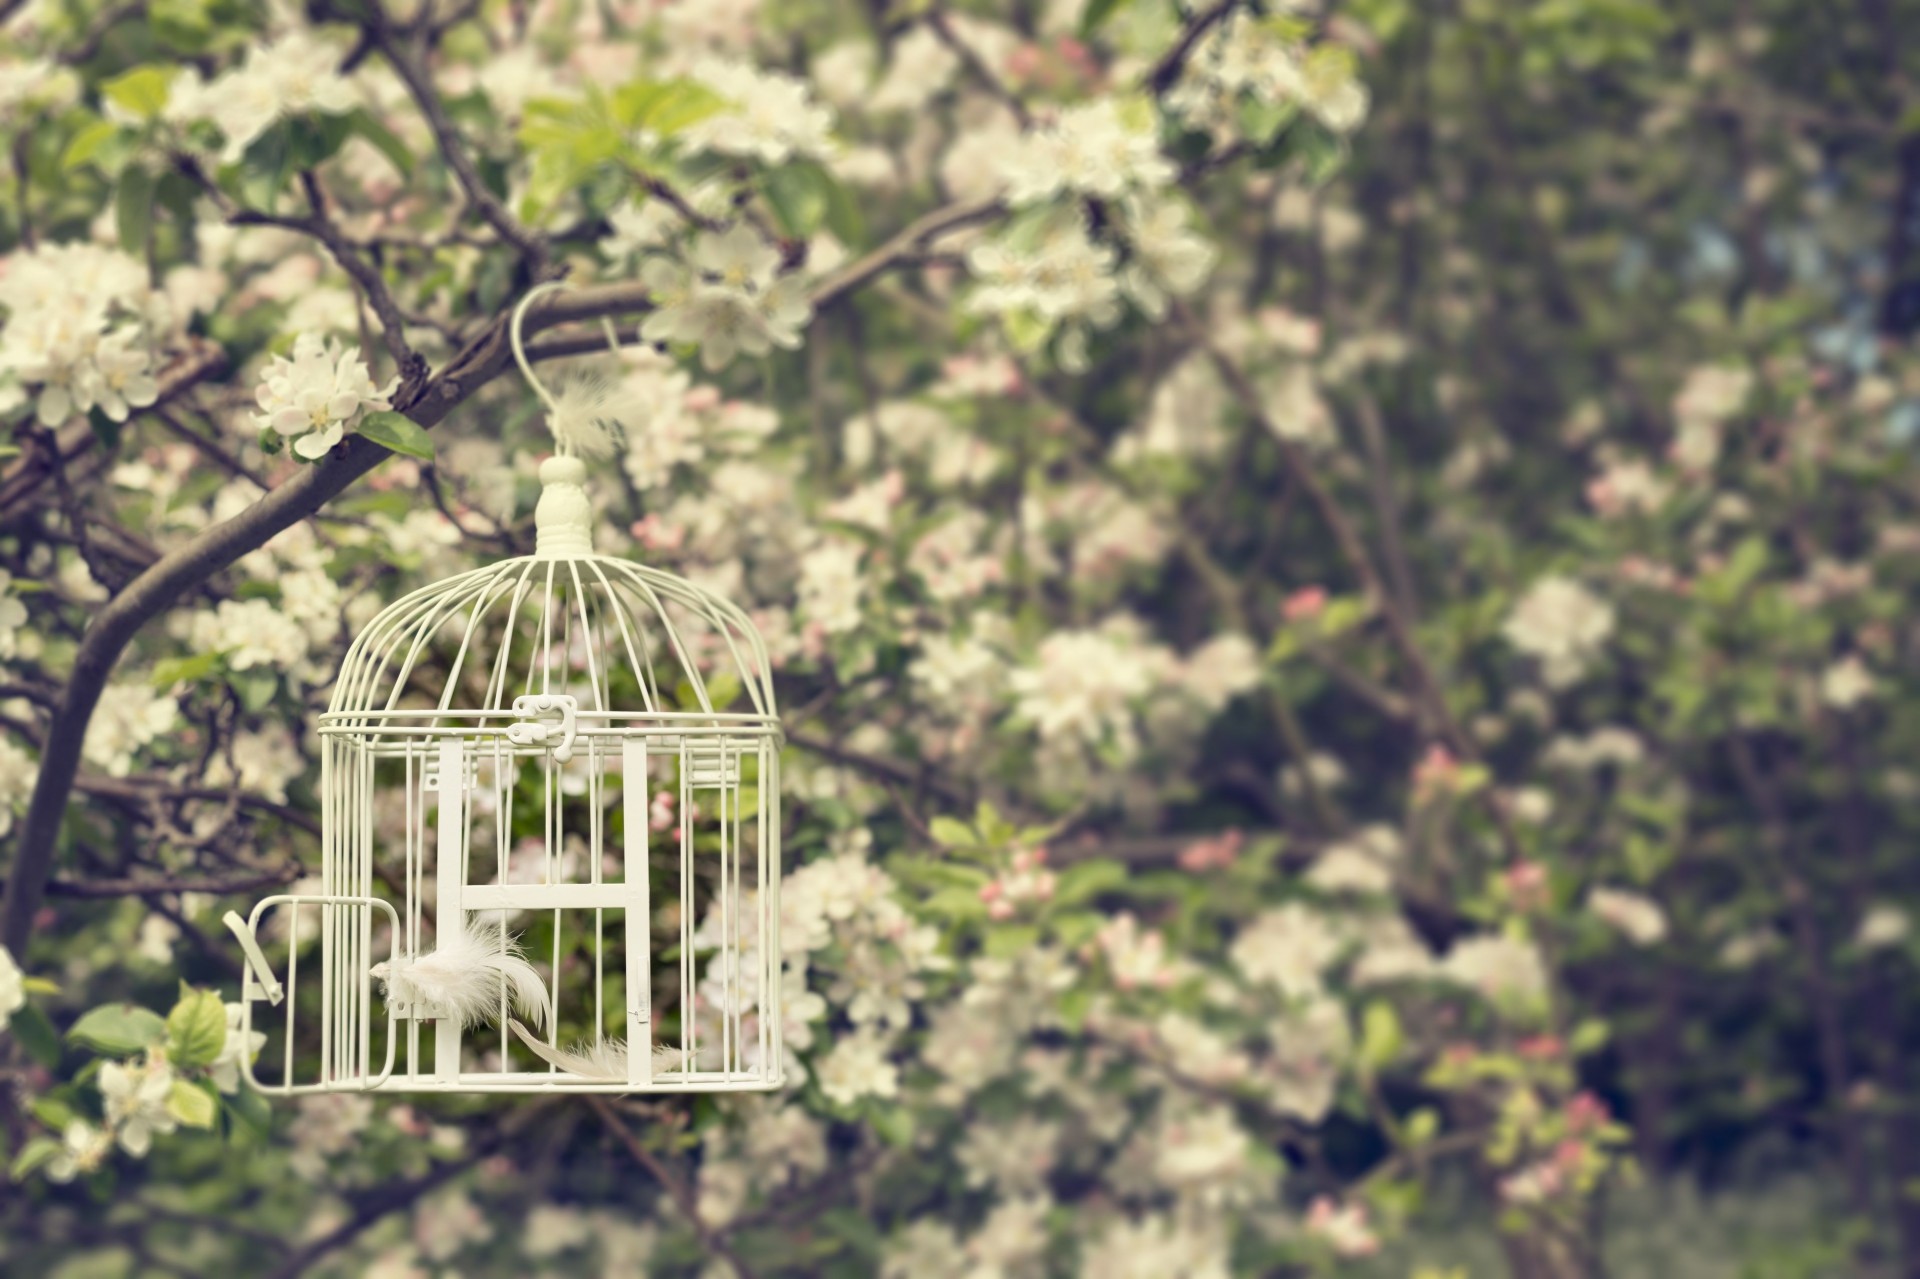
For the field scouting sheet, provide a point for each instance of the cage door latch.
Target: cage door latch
(260, 982)
(532, 730)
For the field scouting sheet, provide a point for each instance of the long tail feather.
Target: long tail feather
(604, 1062)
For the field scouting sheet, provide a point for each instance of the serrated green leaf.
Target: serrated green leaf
(191, 1105)
(196, 1029)
(397, 433)
(118, 1029)
(141, 92)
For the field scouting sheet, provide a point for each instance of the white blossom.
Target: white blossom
(769, 116)
(135, 1097)
(127, 718)
(831, 587)
(728, 299)
(1288, 947)
(1884, 924)
(1061, 275)
(1635, 917)
(83, 1148)
(1101, 148)
(1846, 683)
(1082, 688)
(1561, 623)
(314, 396)
(857, 1067)
(238, 1049)
(1508, 972)
(13, 987)
(18, 773)
(294, 75)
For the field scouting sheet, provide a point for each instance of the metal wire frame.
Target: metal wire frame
(377, 734)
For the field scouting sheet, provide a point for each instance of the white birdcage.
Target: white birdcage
(569, 695)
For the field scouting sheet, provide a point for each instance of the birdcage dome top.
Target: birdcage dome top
(623, 640)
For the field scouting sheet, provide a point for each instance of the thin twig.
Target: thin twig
(677, 1189)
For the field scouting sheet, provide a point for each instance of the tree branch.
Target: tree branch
(531, 245)
(144, 887)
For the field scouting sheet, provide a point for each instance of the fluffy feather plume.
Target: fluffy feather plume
(592, 412)
(465, 973)
(604, 1062)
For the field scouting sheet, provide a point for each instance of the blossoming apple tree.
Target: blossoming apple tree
(1316, 648)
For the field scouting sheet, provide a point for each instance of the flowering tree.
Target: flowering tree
(1333, 573)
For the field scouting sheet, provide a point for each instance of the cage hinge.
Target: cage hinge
(533, 731)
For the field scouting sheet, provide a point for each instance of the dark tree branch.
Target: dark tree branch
(148, 887)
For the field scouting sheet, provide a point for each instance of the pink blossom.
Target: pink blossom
(1306, 603)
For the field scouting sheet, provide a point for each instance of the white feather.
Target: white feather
(605, 1061)
(465, 973)
(591, 413)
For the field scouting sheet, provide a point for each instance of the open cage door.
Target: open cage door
(321, 1025)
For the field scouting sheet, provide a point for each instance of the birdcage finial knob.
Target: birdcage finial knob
(563, 520)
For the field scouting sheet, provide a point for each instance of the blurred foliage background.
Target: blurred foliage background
(1340, 577)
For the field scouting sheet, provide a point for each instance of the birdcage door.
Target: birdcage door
(335, 1041)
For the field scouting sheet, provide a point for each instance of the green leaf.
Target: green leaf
(362, 122)
(141, 92)
(251, 1109)
(1010, 940)
(184, 670)
(196, 1029)
(52, 1112)
(800, 194)
(1084, 880)
(265, 165)
(1588, 1037)
(33, 1156)
(36, 1034)
(894, 1124)
(664, 107)
(192, 1106)
(88, 142)
(950, 832)
(1423, 1125)
(118, 1029)
(1380, 1036)
(314, 139)
(398, 433)
(133, 210)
